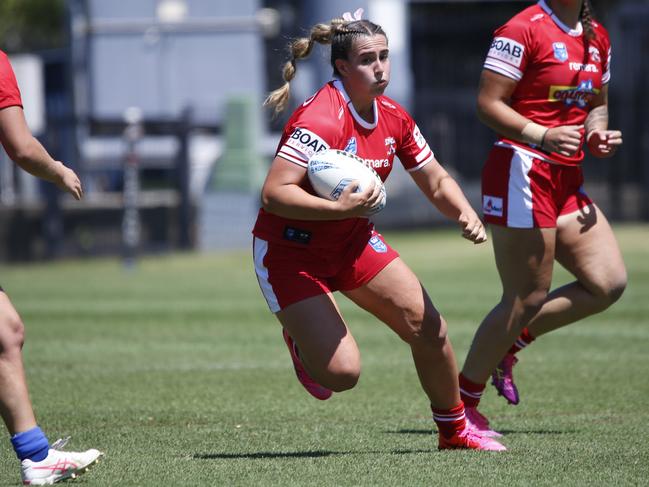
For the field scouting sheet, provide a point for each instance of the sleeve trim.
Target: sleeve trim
(504, 69)
(423, 154)
(419, 166)
(291, 158)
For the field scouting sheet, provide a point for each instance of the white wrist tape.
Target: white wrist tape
(533, 133)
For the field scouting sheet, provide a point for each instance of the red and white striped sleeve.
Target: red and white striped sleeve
(509, 50)
(413, 152)
(313, 127)
(300, 145)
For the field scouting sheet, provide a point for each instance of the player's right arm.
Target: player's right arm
(23, 148)
(494, 110)
(507, 60)
(283, 195)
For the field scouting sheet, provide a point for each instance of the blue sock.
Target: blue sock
(31, 444)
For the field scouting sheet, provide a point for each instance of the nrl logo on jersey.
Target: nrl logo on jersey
(351, 146)
(560, 51)
(377, 244)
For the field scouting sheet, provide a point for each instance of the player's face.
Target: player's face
(367, 71)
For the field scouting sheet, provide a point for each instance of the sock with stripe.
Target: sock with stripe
(522, 341)
(449, 421)
(31, 444)
(470, 392)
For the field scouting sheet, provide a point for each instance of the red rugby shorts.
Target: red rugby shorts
(522, 191)
(288, 274)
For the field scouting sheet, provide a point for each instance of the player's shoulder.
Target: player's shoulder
(528, 19)
(325, 100)
(3, 57)
(391, 109)
(322, 108)
(5, 66)
(600, 32)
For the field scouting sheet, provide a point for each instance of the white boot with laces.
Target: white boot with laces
(58, 465)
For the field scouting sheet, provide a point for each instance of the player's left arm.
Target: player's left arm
(444, 192)
(26, 151)
(601, 141)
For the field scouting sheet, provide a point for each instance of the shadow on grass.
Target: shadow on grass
(505, 432)
(262, 454)
(538, 432)
(297, 454)
(412, 432)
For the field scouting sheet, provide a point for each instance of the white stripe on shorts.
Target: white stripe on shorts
(519, 198)
(260, 249)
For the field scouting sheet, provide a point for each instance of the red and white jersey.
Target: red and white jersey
(557, 69)
(328, 120)
(9, 92)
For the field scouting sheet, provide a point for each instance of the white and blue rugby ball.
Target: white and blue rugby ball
(331, 170)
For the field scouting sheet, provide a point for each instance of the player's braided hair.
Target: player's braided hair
(339, 33)
(586, 17)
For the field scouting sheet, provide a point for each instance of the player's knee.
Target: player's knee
(427, 329)
(12, 333)
(533, 303)
(531, 309)
(617, 289)
(522, 310)
(343, 378)
(610, 289)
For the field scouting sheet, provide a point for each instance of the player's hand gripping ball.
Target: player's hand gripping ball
(331, 170)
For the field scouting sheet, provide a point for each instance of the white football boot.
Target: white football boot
(58, 465)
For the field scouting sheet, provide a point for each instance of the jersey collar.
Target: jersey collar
(339, 86)
(571, 32)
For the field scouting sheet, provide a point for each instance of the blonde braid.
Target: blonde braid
(586, 18)
(300, 48)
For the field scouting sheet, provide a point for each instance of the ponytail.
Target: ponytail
(300, 48)
(586, 18)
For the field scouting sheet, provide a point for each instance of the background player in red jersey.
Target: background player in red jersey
(306, 247)
(544, 90)
(41, 463)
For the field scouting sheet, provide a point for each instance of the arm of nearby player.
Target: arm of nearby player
(23, 148)
(601, 141)
(494, 110)
(444, 192)
(282, 195)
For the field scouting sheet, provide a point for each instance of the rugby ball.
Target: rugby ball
(331, 170)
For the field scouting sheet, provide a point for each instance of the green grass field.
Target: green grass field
(179, 373)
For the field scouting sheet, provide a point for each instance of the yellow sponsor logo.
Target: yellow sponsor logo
(578, 95)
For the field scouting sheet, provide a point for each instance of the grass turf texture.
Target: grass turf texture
(179, 373)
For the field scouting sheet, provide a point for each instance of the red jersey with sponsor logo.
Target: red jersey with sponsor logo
(9, 92)
(557, 69)
(328, 120)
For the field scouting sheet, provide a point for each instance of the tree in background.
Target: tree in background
(27, 25)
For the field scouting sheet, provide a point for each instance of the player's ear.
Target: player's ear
(342, 66)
